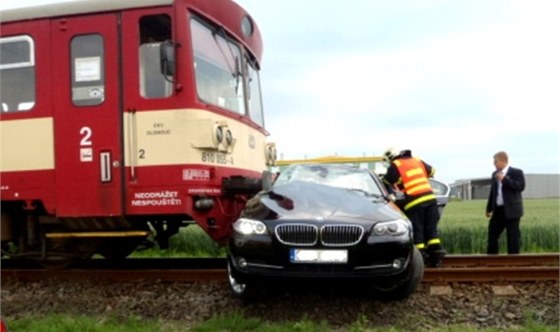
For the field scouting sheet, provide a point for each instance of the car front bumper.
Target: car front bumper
(263, 256)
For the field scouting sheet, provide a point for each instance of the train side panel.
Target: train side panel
(27, 131)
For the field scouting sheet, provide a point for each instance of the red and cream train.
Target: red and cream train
(123, 119)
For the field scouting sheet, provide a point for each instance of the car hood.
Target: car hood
(303, 200)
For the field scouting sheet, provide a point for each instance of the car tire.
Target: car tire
(246, 290)
(402, 286)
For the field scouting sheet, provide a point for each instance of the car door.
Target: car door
(441, 190)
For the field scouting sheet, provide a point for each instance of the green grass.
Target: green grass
(234, 322)
(191, 241)
(538, 212)
(464, 227)
(70, 323)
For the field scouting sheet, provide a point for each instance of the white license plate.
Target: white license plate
(318, 256)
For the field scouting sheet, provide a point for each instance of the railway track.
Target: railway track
(455, 268)
(495, 268)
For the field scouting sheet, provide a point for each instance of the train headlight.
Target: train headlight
(247, 27)
(229, 138)
(222, 137)
(218, 135)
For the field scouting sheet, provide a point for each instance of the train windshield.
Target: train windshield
(254, 91)
(225, 76)
(217, 64)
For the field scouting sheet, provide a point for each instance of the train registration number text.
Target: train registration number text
(217, 158)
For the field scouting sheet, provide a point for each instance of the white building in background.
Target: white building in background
(536, 186)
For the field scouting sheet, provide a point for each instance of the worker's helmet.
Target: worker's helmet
(390, 154)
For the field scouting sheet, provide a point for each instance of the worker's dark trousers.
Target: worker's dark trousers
(499, 222)
(424, 218)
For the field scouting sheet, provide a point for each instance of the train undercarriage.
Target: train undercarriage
(27, 232)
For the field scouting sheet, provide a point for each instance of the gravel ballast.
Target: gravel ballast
(477, 305)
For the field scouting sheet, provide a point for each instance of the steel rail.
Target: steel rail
(120, 275)
(548, 259)
(491, 274)
(431, 275)
(455, 268)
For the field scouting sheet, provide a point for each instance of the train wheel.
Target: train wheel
(61, 253)
(56, 262)
(163, 231)
(119, 249)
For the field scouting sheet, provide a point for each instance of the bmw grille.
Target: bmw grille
(309, 235)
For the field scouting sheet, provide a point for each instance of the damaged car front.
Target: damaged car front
(324, 221)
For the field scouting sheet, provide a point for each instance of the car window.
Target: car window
(342, 177)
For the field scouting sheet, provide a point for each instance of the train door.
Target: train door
(87, 116)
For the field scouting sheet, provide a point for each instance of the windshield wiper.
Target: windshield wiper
(235, 68)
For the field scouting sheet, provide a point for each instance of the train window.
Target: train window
(154, 30)
(17, 73)
(88, 70)
(255, 101)
(217, 64)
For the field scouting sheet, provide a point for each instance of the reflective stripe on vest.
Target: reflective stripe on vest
(414, 176)
(419, 200)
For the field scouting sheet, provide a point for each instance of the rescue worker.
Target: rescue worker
(410, 176)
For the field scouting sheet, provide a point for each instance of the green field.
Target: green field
(463, 229)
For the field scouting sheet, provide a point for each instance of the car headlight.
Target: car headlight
(249, 226)
(393, 227)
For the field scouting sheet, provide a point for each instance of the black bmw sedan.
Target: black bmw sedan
(324, 221)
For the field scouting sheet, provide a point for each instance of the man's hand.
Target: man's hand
(499, 176)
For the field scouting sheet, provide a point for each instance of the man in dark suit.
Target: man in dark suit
(505, 205)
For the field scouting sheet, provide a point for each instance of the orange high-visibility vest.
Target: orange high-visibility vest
(414, 176)
(414, 180)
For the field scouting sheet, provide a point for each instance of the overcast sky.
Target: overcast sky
(453, 80)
